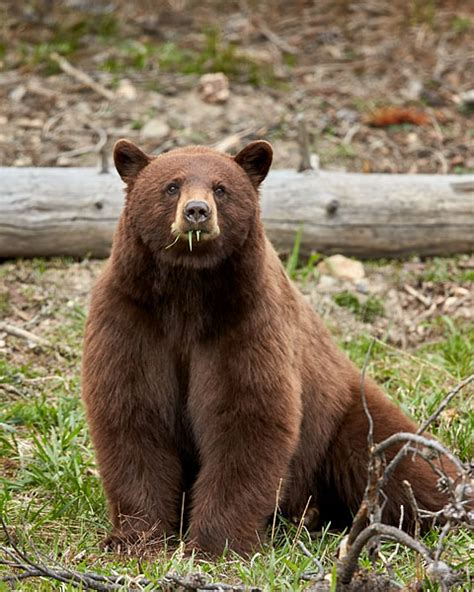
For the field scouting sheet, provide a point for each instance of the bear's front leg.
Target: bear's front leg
(246, 413)
(142, 481)
(129, 388)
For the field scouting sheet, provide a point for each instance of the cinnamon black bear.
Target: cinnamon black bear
(207, 373)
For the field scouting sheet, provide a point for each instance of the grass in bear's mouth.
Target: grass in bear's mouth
(174, 242)
(190, 238)
(50, 493)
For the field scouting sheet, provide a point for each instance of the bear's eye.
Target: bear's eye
(219, 191)
(172, 189)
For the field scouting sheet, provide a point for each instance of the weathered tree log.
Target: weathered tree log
(73, 211)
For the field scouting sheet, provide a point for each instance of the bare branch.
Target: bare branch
(27, 568)
(348, 564)
(319, 575)
(401, 453)
(444, 403)
(401, 437)
(82, 77)
(455, 511)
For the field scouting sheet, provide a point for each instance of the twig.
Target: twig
(19, 560)
(444, 403)
(412, 357)
(402, 437)
(32, 338)
(234, 140)
(275, 39)
(301, 523)
(320, 573)
(81, 76)
(277, 502)
(370, 433)
(371, 492)
(22, 333)
(97, 147)
(397, 458)
(303, 144)
(423, 299)
(265, 30)
(348, 564)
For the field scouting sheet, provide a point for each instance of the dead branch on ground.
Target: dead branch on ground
(82, 77)
(23, 567)
(455, 511)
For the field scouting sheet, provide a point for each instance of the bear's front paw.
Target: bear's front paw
(118, 543)
(131, 543)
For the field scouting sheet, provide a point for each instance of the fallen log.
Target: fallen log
(73, 211)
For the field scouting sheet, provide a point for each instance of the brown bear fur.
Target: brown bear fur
(207, 372)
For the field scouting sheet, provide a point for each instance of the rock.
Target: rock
(23, 161)
(126, 90)
(327, 283)
(413, 90)
(467, 98)
(348, 115)
(155, 128)
(214, 88)
(30, 123)
(341, 267)
(64, 161)
(362, 287)
(18, 93)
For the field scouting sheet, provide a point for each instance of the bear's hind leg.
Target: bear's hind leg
(347, 468)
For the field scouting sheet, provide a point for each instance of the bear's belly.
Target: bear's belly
(183, 433)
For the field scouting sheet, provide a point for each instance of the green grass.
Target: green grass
(51, 495)
(366, 310)
(72, 36)
(214, 55)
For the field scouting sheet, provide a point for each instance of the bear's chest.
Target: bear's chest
(198, 312)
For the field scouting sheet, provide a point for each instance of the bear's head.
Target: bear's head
(192, 206)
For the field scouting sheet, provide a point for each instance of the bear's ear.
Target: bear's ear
(129, 160)
(255, 159)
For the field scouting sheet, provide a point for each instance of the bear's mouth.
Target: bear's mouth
(193, 236)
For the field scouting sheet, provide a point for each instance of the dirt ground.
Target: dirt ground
(348, 66)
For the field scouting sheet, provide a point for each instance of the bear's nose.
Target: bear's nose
(197, 211)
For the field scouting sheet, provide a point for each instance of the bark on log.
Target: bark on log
(73, 211)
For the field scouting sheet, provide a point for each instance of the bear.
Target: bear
(213, 390)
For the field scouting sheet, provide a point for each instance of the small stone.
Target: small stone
(349, 115)
(413, 90)
(341, 267)
(450, 302)
(23, 161)
(18, 93)
(327, 283)
(126, 90)
(214, 88)
(362, 287)
(64, 161)
(3, 119)
(438, 571)
(29, 123)
(155, 128)
(467, 98)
